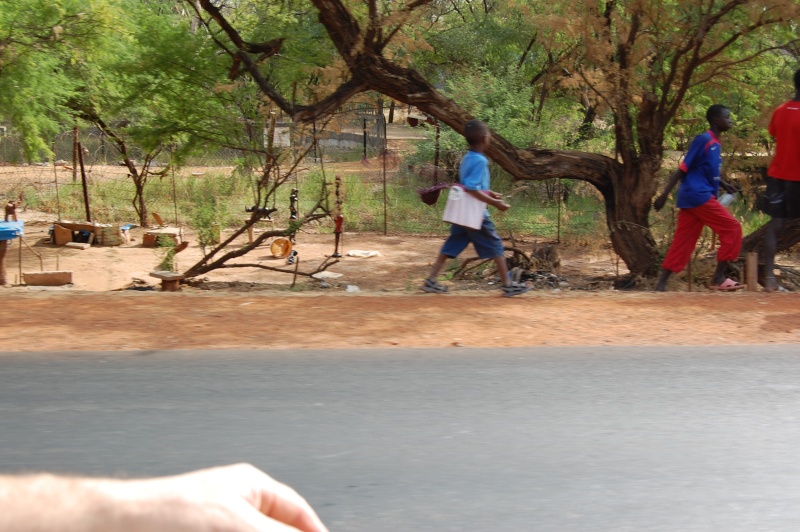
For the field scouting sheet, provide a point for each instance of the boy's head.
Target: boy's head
(719, 116)
(476, 132)
(797, 80)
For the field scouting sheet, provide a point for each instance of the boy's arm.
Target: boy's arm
(492, 198)
(661, 200)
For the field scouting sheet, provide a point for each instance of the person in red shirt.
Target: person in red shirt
(781, 200)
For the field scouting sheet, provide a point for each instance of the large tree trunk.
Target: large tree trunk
(139, 204)
(628, 220)
(787, 238)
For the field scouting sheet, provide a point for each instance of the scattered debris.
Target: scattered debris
(362, 253)
(326, 275)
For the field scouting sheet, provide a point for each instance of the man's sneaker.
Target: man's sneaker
(511, 291)
(433, 287)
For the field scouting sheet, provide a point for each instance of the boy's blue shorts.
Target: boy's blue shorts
(486, 241)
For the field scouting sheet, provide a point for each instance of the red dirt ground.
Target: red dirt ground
(258, 310)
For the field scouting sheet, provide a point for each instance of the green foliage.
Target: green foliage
(211, 204)
(167, 246)
(40, 41)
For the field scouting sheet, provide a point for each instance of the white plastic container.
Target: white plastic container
(726, 199)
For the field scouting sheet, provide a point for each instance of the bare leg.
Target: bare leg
(662, 280)
(770, 248)
(502, 269)
(437, 267)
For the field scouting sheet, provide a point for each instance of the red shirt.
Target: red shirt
(785, 128)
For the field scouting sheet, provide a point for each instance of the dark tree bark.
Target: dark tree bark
(787, 238)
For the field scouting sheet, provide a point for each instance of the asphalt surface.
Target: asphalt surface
(560, 439)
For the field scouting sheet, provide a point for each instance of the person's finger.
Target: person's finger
(255, 520)
(282, 503)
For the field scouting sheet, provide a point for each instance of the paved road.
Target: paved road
(580, 439)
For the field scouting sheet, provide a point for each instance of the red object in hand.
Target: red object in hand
(339, 221)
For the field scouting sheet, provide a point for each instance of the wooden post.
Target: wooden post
(689, 275)
(364, 129)
(75, 154)
(385, 195)
(751, 271)
(83, 181)
(436, 155)
(3, 248)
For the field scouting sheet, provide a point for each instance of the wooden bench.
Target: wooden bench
(150, 238)
(170, 281)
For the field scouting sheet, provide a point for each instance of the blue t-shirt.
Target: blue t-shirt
(702, 165)
(473, 173)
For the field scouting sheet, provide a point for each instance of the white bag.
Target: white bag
(463, 208)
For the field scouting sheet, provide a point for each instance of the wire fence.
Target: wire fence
(375, 161)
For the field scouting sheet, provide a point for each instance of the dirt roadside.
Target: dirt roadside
(257, 309)
(213, 320)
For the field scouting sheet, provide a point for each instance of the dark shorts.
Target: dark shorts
(781, 199)
(486, 241)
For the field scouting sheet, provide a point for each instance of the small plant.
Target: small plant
(166, 245)
(204, 221)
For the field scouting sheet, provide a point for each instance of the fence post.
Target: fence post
(364, 130)
(75, 153)
(436, 155)
(385, 197)
(83, 181)
(751, 271)
(558, 211)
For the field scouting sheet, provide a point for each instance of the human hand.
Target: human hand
(659, 203)
(502, 206)
(494, 194)
(233, 498)
(728, 187)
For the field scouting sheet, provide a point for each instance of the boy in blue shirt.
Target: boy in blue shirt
(699, 174)
(474, 176)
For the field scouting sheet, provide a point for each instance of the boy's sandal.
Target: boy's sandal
(511, 291)
(727, 285)
(434, 287)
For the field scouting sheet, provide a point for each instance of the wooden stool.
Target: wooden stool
(170, 281)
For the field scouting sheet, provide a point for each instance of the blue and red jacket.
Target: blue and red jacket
(702, 165)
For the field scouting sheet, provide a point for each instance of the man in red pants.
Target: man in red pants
(699, 174)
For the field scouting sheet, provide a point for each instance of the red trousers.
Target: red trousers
(690, 225)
